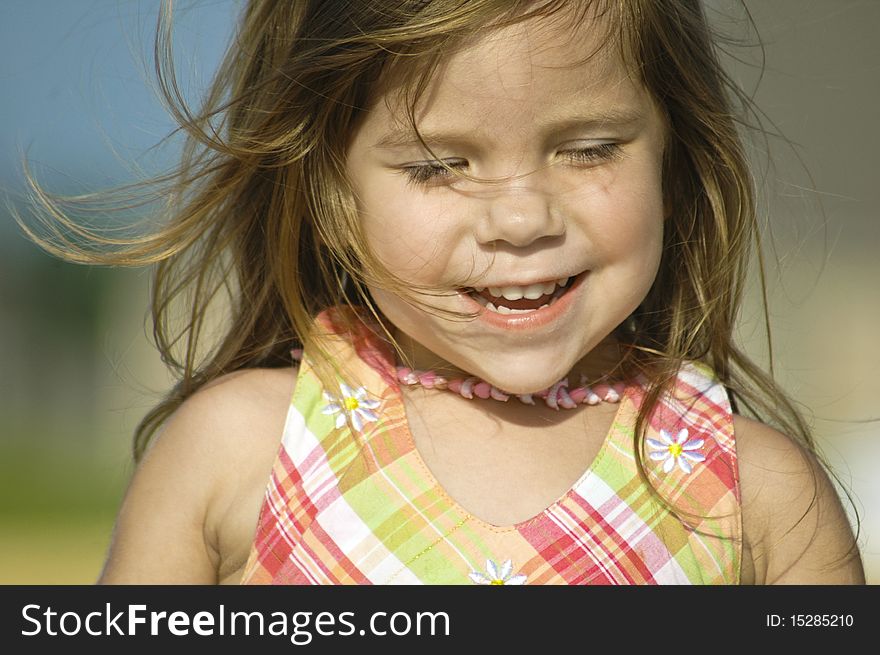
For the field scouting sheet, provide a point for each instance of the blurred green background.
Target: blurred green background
(77, 367)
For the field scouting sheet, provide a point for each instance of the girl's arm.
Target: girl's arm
(793, 520)
(192, 506)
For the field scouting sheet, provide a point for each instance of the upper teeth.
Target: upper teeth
(530, 292)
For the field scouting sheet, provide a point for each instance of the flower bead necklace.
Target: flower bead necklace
(556, 396)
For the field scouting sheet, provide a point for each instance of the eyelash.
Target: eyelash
(600, 151)
(424, 173)
(421, 174)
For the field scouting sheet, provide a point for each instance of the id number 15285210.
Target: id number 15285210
(810, 621)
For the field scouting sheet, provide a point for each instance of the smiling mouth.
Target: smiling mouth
(520, 299)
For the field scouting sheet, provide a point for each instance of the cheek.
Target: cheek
(412, 233)
(624, 231)
(627, 215)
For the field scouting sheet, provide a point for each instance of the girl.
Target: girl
(482, 264)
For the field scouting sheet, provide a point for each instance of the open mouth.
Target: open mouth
(520, 299)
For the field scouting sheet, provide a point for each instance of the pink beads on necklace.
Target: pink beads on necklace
(557, 396)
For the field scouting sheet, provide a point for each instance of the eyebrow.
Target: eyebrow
(405, 137)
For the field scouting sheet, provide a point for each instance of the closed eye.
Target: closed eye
(595, 153)
(429, 171)
(425, 172)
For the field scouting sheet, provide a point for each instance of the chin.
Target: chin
(524, 377)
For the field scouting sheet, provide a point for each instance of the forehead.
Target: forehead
(540, 69)
(539, 52)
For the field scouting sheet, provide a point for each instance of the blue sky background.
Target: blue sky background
(75, 78)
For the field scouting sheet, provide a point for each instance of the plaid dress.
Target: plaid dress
(352, 502)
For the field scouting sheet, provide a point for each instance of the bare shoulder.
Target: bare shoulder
(794, 524)
(194, 498)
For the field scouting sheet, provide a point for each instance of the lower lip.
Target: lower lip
(531, 321)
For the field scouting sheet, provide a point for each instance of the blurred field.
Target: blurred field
(78, 374)
(56, 515)
(34, 545)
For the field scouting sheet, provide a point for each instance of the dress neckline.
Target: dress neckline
(374, 351)
(396, 398)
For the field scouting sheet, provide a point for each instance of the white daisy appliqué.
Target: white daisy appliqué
(497, 576)
(354, 403)
(679, 451)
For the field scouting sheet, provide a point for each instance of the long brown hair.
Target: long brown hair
(260, 218)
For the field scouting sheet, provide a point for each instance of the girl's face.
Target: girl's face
(575, 144)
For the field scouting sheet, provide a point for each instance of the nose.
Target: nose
(518, 214)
